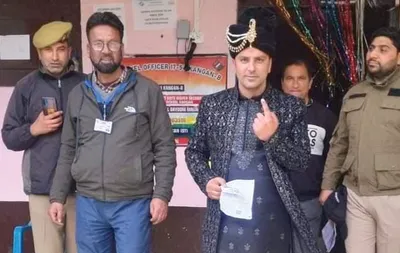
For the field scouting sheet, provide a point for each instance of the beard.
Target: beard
(106, 67)
(380, 72)
(55, 69)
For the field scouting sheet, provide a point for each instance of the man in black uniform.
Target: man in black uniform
(297, 81)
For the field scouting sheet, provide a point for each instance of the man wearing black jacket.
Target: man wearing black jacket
(297, 81)
(37, 132)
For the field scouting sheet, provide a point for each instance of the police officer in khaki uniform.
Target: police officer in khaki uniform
(365, 149)
(31, 127)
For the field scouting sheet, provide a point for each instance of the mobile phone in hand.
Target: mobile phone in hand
(49, 105)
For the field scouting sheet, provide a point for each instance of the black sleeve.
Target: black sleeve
(16, 132)
(163, 147)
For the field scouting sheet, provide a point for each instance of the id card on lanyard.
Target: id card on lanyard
(102, 125)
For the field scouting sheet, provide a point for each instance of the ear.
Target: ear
(39, 53)
(270, 65)
(88, 50)
(234, 63)
(398, 58)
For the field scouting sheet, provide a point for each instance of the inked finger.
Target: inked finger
(265, 106)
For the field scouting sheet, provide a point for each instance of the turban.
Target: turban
(255, 28)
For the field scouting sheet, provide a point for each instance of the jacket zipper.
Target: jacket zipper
(61, 97)
(102, 151)
(102, 154)
(102, 168)
(104, 142)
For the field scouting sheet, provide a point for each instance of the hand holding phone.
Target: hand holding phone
(49, 105)
(49, 120)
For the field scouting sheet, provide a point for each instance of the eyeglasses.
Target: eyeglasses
(113, 46)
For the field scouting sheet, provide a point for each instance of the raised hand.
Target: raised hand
(266, 123)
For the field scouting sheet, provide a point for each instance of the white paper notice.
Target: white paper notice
(237, 199)
(118, 9)
(154, 14)
(329, 235)
(15, 47)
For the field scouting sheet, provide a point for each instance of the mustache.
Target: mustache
(108, 61)
(374, 61)
(108, 58)
(53, 64)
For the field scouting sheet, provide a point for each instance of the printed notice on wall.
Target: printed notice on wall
(154, 14)
(117, 8)
(183, 90)
(15, 47)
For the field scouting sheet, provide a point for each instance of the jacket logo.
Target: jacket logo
(130, 109)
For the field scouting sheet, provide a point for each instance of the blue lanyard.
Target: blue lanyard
(105, 102)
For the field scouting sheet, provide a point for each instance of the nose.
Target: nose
(296, 84)
(251, 66)
(55, 55)
(106, 50)
(373, 54)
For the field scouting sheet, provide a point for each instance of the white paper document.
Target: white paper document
(15, 47)
(154, 14)
(237, 199)
(329, 235)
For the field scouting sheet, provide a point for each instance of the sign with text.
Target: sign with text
(154, 14)
(182, 89)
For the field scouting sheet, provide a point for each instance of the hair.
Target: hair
(105, 18)
(388, 32)
(298, 62)
(66, 40)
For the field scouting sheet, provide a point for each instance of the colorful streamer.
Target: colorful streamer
(321, 57)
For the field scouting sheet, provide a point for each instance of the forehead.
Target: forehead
(56, 45)
(296, 69)
(382, 41)
(252, 52)
(104, 32)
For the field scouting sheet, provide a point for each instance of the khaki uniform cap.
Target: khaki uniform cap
(51, 33)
